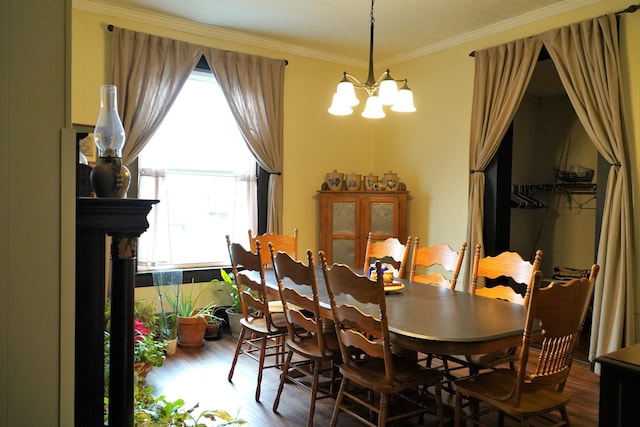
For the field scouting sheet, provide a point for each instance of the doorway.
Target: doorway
(543, 190)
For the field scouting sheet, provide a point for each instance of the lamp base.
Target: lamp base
(110, 178)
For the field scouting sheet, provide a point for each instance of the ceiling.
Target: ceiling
(404, 29)
(339, 30)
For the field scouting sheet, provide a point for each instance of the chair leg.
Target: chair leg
(314, 391)
(263, 348)
(237, 353)
(458, 410)
(439, 409)
(336, 409)
(332, 385)
(383, 409)
(283, 379)
(565, 415)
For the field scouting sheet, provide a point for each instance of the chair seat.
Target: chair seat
(370, 373)
(492, 385)
(259, 325)
(275, 306)
(488, 360)
(309, 347)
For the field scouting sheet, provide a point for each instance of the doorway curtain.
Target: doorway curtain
(587, 58)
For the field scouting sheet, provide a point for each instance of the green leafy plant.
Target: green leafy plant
(209, 314)
(168, 325)
(229, 283)
(146, 313)
(150, 411)
(147, 349)
(167, 321)
(183, 304)
(160, 412)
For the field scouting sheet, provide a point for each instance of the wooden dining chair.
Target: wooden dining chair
(308, 337)
(507, 270)
(389, 250)
(262, 333)
(554, 321)
(429, 264)
(281, 242)
(368, 365)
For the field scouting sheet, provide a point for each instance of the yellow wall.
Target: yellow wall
(429, 148)
(37, 215)
(315, 142)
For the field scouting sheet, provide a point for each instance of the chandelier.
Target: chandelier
(384, 91)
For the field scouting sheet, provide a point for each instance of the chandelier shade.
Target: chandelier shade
(381, 92)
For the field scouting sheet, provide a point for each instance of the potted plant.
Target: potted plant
(234, 312)
(169, 330)
(191, 321)
(167, 321)
(214, 322)
(147, 350)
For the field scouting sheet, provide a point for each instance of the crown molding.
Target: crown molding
(508, 24)
(195, 28)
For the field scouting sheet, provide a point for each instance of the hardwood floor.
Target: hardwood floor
(200, 376)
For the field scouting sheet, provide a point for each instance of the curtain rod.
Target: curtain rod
(631, 9)
(110, 28)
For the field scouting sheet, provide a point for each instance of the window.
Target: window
(199, 167)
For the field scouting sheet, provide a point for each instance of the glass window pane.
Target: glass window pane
(204, 176)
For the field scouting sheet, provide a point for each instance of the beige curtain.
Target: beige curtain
(149, 72)
(587, 58)
(254, 88)
(502, 75)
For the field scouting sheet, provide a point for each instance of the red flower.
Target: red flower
(140, 330)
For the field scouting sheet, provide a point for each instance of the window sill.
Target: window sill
(196, 275)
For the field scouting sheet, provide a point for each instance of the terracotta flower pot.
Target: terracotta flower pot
(191, 331)
(212, 332)
(142, 368)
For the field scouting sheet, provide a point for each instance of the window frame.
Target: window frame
(197, 272)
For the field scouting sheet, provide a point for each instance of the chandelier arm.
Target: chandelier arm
(356, 82)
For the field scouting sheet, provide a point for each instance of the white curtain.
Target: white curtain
(246, 193)
(155, 251)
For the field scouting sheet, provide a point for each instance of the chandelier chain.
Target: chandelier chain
(373, 19)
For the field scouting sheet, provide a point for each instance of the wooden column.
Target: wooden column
(124, 220)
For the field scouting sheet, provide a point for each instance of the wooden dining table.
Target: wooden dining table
(432, 319)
